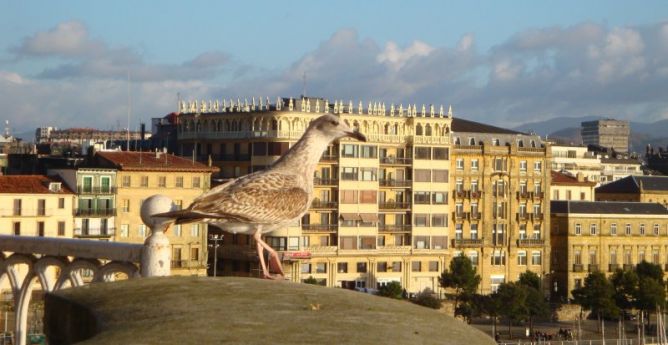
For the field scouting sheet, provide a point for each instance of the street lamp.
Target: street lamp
(215, 245)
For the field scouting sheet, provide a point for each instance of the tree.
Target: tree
(597, 295)
(530, 279)
(625, 284)
(512, 297)
(536, 304)
(651, 292)
(392, 290)
(461, 277)
(311, 280)
(489, 305)
(427, 299)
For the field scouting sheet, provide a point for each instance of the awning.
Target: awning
(350, 216)
(369, 217)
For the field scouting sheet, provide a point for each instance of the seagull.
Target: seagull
(269, 199)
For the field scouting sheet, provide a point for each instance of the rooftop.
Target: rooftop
(607, 207)
(461, 125)
(559, 178)
(30, 184)
(632, 184)
(150, 161)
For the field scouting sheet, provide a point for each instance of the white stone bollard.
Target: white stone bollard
(157, 252)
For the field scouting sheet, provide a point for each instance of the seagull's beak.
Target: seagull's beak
(356, 135)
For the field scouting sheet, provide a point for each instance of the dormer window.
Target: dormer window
(496, 142)
(472, 141)
(457, 141)
(55, 187)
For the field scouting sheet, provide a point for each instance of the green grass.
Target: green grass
(201, 310)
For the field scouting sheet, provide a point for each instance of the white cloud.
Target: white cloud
(69, 39)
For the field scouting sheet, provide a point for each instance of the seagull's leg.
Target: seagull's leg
(274, 259)
(260, 251)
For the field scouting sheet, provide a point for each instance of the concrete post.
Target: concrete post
(157, 253)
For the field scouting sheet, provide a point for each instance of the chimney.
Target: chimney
(580, 177)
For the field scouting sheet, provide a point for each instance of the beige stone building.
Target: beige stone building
(636, 188)
(604, 236)
(577, 160)
(500, 181)
(567, 187)
(381, 211)
(141, 175)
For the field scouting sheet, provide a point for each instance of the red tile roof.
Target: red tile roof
(563, 179)
(150, 161)
(30, 184)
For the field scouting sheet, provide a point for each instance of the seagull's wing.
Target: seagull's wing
(262, 198)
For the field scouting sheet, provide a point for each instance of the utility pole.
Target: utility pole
(215, 245)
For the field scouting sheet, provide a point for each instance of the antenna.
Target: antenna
(304, 84)
(129, 105)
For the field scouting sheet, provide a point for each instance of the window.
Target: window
(433, 266)
(17, 207)
(536, 258)
(348, 242)
(361, 267)
(125, 206)
(656, 230)
(416, 266)
(342, 267)
(369, 174)
(613, 229)
(162, 181)
(194, 230)
(439, 242)
(141, 231)
(321, 267)
(498, 258)
(396, 266)
(627, 230)
(421, 220)
(440, 175)
(293, 243)
(523, 231)
(441, 153)
(87, 184)
(421, 242)
(578, 229)
(458, 231)
(474, 164)
(368, 197)
(61, 228)
(367, 242)
(125, 230)
(500, 164)
(348, 197)
(537, 166)
(422, 153)
(178, 230)
(61, 203)
(522, 258)
(367, 151)
(144, 181)
(349, 151)
(381, 266)
(41, 207)
(422, 175)
(536, 231)
(126, 181)
(439, 220)
(642, 229)
(421, 198)
(179, 181)
(196, 182)
(306, 268)
(474, 231)
(523, 165)
(613, 256)
(349, 174)
(194, 254)
(17, 228)
(459, 163)
(473, 256)
(40, 229)
(593, 229)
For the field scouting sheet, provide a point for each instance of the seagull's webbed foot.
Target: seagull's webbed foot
(274, 260)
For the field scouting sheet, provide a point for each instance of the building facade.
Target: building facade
(636, 189)
(604, 236)
(608, 133)
(567, 187)
(141, 175)
(613, 169)
(576, 159)
(500, 201)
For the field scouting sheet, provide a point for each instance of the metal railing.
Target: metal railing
(94, 232)
(324, 204)
(396, 160)
(467, 242)
(95, 190)
(320, 227)
(394, 227)
(394, 183)
(394, 205)
(98, 212)
(325, 181)
(530, 242)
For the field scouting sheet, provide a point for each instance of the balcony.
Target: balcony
(94, 232)
(524, 195)
(329, 158)
(460, 215)
(536, 216)
(87, 190)
(100, 212)
(394, 205)
(499, 194)
(578, 268)
(523, 216)
(394, 227)
(538, 195)
(324, 204)
(613, 267)
(467, 242)
(530, 242)
(475, 215)
(394, 183)
(396, 161)
(459, 194)
(474, 194)
(593, 268)
(325, 181)
(319, 227)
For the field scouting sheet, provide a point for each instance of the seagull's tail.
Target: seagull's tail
(183, 216)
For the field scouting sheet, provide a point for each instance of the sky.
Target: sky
(88, 63)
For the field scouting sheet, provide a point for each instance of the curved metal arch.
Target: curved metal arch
(11, 262)
(110, 268)
(43, 264)
(71, 272)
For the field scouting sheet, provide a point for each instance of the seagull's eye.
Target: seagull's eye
(334, 122)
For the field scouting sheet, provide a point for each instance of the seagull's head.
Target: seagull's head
(332, 128)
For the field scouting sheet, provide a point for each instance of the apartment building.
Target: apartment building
(565, 186)
(140, 175)
(604, 236)
(499, 201)
(577, 160)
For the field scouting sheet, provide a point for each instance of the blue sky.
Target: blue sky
(503, 62)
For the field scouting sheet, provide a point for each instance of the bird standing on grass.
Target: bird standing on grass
(270, 199)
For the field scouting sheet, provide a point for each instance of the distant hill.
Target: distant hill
(567, 130)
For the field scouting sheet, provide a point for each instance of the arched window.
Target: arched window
(472, 141)
(457, 141)
(533, 143)
(520, 143)
(427, 130)
(386, 128)
(418, 129)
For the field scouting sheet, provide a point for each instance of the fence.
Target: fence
(628, 341)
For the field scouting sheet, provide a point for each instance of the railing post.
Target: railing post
(156, 255)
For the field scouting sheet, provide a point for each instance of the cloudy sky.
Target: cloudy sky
(67, 64)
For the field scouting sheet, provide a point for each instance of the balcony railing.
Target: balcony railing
(325, 181)
(467, 242)
(100, 212)
(578, 268)
(524, 195)
(530, 242)
(95, 190)
(523, 216)
(475, 215)
(593, 267)
(459, 194)
(394, 227)
(329, 158)
(613, 267)
(186, 264)
(538, 195)
(94, 232)
(394, 205)
(474, 194)
(537, 216)
(320, 227)
(396, 160)
(460, 215)
(394, 183)
(324, 204)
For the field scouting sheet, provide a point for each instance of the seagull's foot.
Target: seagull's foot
(273, 276)
(275, 265)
